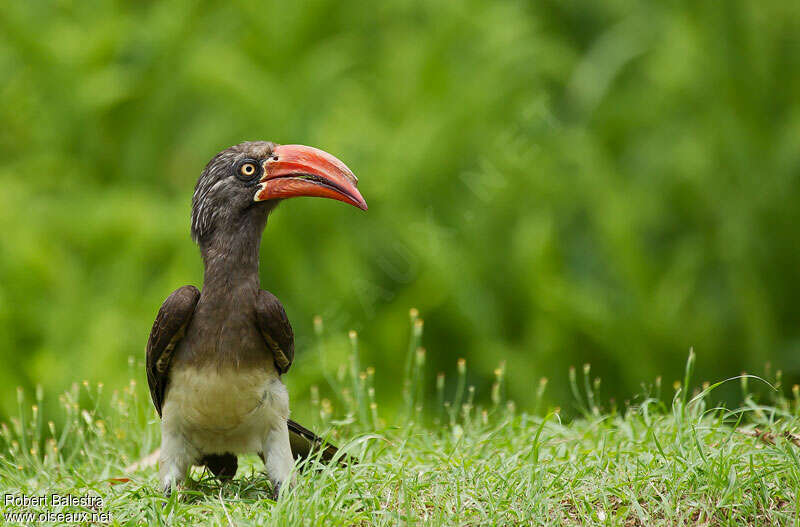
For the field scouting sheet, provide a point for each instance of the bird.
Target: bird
(215, 357)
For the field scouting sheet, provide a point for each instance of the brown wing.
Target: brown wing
(275, 329)
(168, 330)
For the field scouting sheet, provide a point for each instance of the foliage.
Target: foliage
(649, 464)
(550, 183)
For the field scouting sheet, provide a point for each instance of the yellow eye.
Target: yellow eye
(248, 169)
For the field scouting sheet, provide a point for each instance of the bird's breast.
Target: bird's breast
(226, 337)
(224, 409)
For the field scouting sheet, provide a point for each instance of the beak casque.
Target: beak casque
(297, 170)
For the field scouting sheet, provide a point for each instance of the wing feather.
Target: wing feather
(168, 329)
(276, 330)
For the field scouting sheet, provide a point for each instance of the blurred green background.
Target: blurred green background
(550, 183)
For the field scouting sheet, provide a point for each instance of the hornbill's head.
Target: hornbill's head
(243, 183)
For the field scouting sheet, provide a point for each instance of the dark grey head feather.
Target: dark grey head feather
(219, 197)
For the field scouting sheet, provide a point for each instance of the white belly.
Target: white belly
(228, 411)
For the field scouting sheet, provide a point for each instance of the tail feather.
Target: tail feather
(223, 466)
(304, 442)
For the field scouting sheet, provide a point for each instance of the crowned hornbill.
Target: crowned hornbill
(215, 357)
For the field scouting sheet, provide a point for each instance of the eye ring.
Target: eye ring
(248, 169)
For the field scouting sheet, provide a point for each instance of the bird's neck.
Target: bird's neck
(231, 261)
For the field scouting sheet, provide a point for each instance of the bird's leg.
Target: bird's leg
(176, 457)
(276, 450)
(277, 456)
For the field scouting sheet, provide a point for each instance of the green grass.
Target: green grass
(444, 460)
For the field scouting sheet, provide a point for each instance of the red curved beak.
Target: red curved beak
(297, 170)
